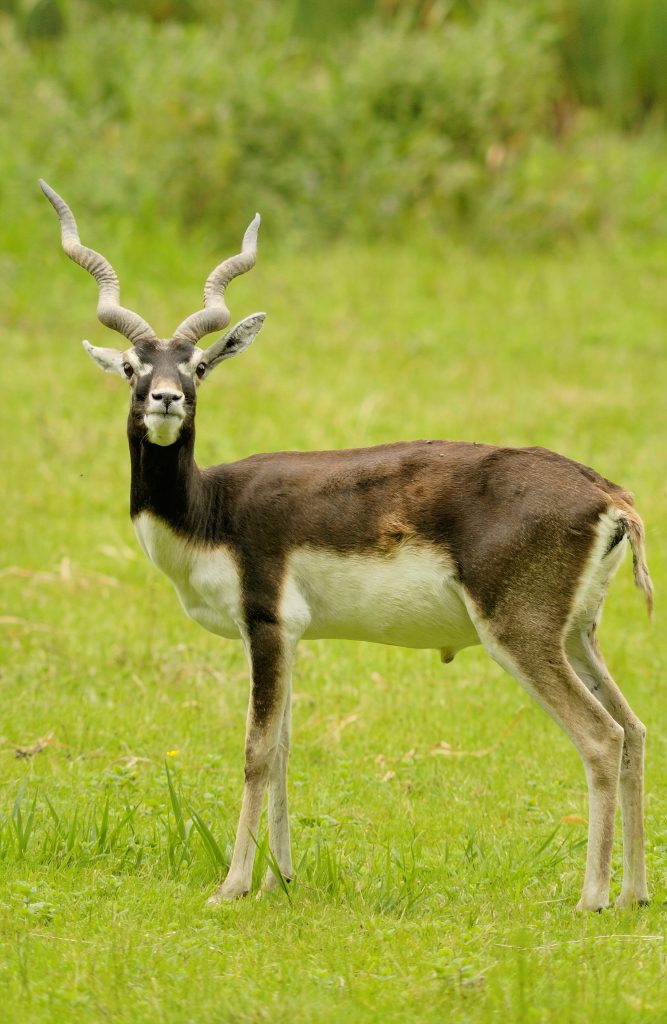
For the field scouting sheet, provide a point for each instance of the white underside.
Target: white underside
(409, 598)
(206, 581)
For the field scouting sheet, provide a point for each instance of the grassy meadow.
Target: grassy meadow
(438, 816)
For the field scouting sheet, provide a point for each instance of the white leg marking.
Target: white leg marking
(263, 736)
(586, 659)
(279, 832)
(588, 663)
(549, 678)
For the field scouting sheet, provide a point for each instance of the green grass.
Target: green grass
(429, 886)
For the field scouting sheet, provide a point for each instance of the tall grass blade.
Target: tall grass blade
(23, 827)
(176, 804)
(266, 853)
(214, 852)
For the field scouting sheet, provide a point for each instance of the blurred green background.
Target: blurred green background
(522, 124)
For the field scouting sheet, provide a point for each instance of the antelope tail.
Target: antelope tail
(635, 529)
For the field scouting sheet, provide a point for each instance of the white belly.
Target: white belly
(408, 599)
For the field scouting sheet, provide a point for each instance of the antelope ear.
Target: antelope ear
(235, 341)
(109, 359)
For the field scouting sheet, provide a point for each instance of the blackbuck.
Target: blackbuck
(430, 544)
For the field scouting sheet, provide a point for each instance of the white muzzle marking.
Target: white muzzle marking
(163, 428)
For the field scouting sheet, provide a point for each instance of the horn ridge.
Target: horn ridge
(109, 310)
(215, 315)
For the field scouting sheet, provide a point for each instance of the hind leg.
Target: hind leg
(540, 665)
(586, 659)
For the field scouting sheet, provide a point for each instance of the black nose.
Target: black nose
(166, 396)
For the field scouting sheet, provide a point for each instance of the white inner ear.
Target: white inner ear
(108, 359)
(235, 341)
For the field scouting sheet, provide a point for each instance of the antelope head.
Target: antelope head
(163, 374)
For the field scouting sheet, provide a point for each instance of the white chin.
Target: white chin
(162, 430)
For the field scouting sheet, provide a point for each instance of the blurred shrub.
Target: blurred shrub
(614, 55)
(191, 119)
(593, 181)
(432, 115)
(460, 122)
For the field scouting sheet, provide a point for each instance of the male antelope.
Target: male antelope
(435, 544)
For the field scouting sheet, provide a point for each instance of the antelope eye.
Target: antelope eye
(127, 370)
(201, 370)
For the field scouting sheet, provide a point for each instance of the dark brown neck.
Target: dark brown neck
(168, 483)
(165, 481)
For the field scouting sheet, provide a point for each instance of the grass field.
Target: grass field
(438, 816)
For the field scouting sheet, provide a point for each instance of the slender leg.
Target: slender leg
(586, 658)
(279, 837)
(270, 663)
(542, 669)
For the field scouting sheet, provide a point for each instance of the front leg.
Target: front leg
(270, 655)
